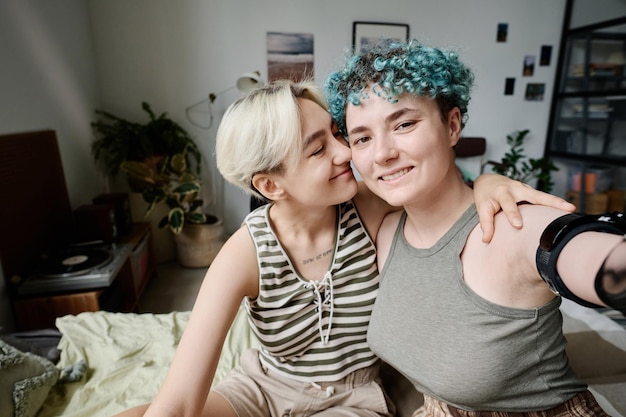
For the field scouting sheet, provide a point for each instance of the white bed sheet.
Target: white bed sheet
(127, 356)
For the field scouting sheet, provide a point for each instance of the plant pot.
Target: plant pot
(197, 244)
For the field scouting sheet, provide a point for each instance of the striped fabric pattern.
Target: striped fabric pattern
(293, 317)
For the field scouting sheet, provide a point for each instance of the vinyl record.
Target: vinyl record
(73, 262)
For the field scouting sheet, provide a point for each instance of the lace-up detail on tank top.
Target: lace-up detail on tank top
(323, 291)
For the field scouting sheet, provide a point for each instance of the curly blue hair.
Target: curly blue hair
(394, 68)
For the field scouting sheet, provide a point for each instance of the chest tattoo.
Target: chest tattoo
(317, 257)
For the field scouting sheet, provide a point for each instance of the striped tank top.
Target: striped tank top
(314, 331)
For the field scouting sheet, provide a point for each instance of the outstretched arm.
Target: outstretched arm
(493, 192)
(582, 257)
(579, 257)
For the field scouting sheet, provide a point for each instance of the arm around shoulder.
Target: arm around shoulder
(493, 192)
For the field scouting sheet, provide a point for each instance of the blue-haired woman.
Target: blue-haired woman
(475, 327)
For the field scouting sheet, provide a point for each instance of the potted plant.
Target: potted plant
(119, 140)
(516, 165)
(198, 235)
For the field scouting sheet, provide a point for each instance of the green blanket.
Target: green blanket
(127, 357)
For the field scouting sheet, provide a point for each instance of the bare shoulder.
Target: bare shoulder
(240, 246)
(391, 220)
(504, 271)
(236, 263)
(372, 209)
(519, 246)
(512, 243)
(385, 236)
(536, 218)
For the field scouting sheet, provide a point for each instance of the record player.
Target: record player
(78, 267)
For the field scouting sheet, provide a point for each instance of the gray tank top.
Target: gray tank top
(458, 347)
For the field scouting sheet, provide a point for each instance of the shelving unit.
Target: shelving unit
(587, 133)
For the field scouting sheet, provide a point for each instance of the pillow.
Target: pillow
(42, 342)
(25, 383)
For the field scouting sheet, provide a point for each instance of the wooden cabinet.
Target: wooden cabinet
(123, 294)
(587, 135)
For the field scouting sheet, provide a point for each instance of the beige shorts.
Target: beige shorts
(255, 391)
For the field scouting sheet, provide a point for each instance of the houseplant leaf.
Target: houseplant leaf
(176, 219)
(515, 165)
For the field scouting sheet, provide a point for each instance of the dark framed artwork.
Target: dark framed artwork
(367, 34)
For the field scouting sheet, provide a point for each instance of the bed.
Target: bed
(112, 361)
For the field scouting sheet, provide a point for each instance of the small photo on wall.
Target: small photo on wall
(503, 31)
(289, 56)
(535, 91)
(546, 55)
(529, 66)
(509, 86)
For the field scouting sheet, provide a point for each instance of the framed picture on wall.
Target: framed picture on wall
(367, 34)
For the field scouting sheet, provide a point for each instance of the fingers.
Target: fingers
(538, 197)
(511, 210)
(486, 219)
(495, 192)
(487, 212)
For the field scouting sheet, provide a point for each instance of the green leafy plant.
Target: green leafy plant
(119, 140)
(174, 184)
(516, 165)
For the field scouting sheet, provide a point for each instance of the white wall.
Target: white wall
(173, 54)
(48, 81)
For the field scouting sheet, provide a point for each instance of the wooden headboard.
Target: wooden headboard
(470, 146)
(35, 211)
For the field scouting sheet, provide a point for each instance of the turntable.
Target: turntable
(76, 268)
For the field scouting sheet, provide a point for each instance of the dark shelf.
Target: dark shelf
(614, 92)
(586, 30)
(595, 159)
(580, 119)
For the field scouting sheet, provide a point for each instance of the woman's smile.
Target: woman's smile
(396, 174)
(346, 173)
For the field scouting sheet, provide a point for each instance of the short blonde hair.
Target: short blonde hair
(261, 132)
